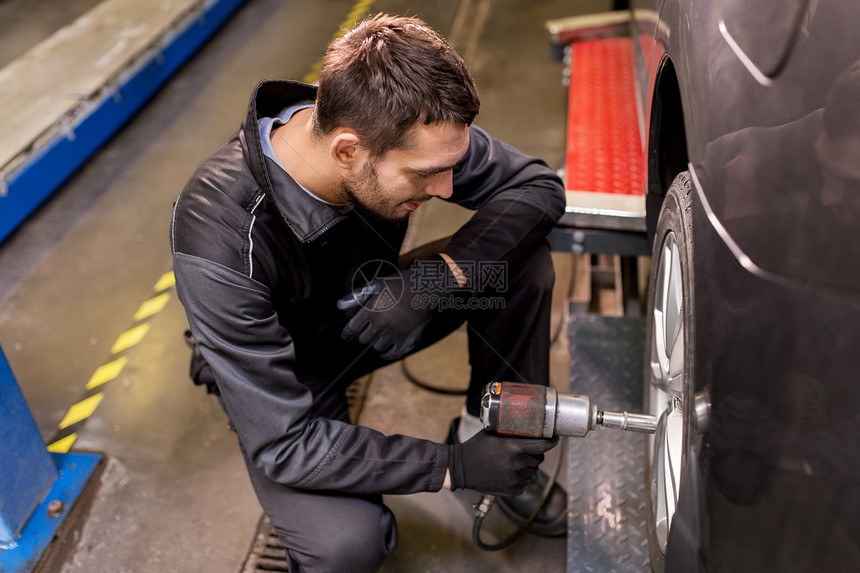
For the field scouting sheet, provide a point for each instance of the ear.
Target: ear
(346, 149)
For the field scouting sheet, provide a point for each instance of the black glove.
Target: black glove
(494, 464)
(393, 311)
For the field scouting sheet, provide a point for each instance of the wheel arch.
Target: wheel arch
(667, 140)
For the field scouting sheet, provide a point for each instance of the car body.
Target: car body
(753, 205)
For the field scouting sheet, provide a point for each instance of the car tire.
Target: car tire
(669, 354)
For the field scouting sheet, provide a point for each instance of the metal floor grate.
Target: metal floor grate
(267, 554)
(606, 527)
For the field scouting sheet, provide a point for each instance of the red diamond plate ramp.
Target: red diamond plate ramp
(604, 150)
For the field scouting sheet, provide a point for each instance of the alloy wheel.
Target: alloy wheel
(666, 388)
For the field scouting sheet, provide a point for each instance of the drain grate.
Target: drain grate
(267, 554)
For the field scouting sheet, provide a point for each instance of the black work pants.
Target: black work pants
(508, 340)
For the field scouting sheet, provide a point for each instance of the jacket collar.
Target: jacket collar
(306, 217)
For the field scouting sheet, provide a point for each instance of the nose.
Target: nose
(441, 185)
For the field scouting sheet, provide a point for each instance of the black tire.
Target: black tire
(668, 367)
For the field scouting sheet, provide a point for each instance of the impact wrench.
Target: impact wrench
(527, 410)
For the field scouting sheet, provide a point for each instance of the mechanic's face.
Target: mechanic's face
(398, 183)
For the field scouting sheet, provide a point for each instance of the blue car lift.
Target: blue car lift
(37, 488)
(59, 119)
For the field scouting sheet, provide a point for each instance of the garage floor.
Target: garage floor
(173, 495)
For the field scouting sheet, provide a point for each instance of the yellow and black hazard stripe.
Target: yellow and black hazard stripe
(77, 415)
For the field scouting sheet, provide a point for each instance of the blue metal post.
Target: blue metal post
(37, 488)
(26, 468)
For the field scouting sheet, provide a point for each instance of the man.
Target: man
(287, 259)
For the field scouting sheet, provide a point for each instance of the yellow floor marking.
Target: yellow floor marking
(135, 335)
(64, 445)
(151, 306)
(314, 74)
(358, 11)
(81, 410)
(107, 372)
(166, 281)
(129, 338)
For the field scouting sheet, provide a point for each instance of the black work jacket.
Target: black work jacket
(260, 265)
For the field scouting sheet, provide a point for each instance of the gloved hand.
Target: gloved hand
(494, 464)
(393, 311)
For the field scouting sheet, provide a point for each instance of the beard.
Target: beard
(369, 198)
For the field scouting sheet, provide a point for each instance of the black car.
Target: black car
(753, 352)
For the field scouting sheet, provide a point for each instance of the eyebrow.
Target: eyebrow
(432, 170)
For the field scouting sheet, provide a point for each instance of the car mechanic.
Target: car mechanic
(287, 254)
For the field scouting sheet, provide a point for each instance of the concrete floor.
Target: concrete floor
(174, 495)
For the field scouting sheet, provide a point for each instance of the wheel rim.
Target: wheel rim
(666, 388)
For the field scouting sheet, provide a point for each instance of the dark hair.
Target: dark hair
(387, 75)
(841, 111)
